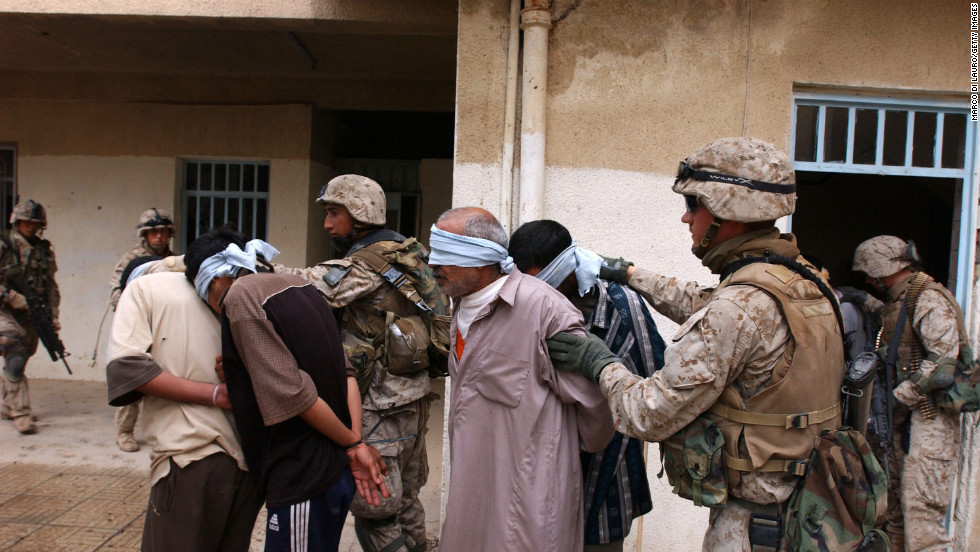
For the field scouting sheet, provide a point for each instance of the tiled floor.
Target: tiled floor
(66, 489)
(47, 508)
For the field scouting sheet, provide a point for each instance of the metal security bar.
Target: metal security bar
(8, 179)
(220, 192)
(881, 137)
(901, 137)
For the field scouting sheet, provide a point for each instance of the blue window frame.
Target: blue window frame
(900, 137)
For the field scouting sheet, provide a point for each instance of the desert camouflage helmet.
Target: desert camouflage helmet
(363, 198)
(154, 218)
(882, 256)
(29, 210)
(740, 179)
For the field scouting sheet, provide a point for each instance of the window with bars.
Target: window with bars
(8, 179)
(882, 138)
(218, 192)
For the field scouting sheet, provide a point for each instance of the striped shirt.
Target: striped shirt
(616, 488)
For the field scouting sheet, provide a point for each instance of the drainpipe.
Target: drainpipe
(510, 115)
(536, 22)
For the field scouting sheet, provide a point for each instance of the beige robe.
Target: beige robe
(516, 427)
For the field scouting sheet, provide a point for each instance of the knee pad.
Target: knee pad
(363, 527)
(13, 366)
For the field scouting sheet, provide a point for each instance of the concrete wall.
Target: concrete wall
(633, 87)
(97, 166)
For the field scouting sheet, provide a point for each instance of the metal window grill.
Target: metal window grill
(219, 192)
(8, 180)
(883, 137)
(896, 137)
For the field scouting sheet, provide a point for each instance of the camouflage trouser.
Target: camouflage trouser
(920, 484)
(126, 417)
(18, 341)
(728, 530)
(400, 517)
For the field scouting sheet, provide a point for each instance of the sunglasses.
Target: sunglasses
(692, 203)
(684, 171)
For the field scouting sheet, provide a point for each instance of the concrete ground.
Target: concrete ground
(69, 488)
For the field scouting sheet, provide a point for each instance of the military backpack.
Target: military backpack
(408, 344)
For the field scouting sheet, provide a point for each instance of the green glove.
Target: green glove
(853, 295)
(940, 378)
(615, 270)
(584, 355)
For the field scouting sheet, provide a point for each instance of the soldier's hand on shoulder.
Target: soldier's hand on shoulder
(585, 355)
(615, 270)
(853, 295)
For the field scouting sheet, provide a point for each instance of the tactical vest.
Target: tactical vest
(35, 266)
(910, 353)
(777, 428)
(384, 331)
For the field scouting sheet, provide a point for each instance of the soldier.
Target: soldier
(24, 252)
(763, 343)
(154, 229)
(396, 402)
(925, 443)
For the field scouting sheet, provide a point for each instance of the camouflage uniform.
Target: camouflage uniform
(920, 481)
(395, 406)
(18, 338)
(127, 415)
(732, 338)
(729, 338)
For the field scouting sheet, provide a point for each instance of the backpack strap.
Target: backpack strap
(805, 273)
(390, 273)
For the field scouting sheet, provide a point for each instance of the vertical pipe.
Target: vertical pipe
(536, 23)
(506, 214)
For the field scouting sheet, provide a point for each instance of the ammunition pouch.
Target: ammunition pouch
(694, 461)
(406, 343)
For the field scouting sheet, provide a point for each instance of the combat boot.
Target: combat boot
(125, 423)
(127, 442)
(24, 424)
(16, 401)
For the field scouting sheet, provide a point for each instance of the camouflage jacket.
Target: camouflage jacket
(141, 250)
(36, 259)
(933, 326)
(730, 337)
(357, 285)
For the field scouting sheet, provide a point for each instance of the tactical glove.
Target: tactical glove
(615, 270)
(16, 300)
(853, 295)
(940, 378)
(584, 355)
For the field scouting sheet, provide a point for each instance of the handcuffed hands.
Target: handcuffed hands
(368, 468)
(584, 355)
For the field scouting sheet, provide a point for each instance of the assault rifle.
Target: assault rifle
(37, 311)
(44, 328)
(881, 415)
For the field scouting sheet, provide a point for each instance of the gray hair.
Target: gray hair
(479, 224)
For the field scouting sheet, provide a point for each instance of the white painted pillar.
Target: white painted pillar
(536, 22)
(506, 215)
